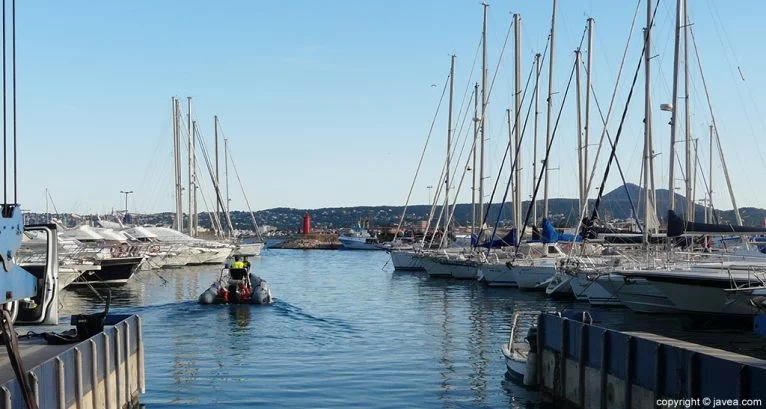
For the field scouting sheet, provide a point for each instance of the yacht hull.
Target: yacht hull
(433, 268)
(355, 244)
(405, 260)
(585, 289)
(532, 275)
(498, 275)
(248, 249)
(637, 294)
(113, 271)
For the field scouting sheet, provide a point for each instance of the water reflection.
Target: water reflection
(88, 299)
(240, 318)
(474, 321)
(479, 344)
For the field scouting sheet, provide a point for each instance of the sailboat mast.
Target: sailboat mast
(687, 123)
(674, 111)
(512, 150)
(191, 167)
(550, 110)
(694, 175)
(217, 179)
(580, 151)
(175, 162)
(534, 147)
(180, 192)
(647, 119)
(483, 123)
(586, 136)
(475, 148)
(175, 156)
(177, 165)
(226, 171)
(517, 141)
(710, 178)
(449, 139)
(194, 167)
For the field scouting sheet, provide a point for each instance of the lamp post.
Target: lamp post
(126, 193)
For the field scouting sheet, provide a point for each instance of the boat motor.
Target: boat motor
(531, 339)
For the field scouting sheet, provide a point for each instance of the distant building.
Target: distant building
(266, 229)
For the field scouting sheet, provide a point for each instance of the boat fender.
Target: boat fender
(530, 374)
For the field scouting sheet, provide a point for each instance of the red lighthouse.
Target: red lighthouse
(306, 223)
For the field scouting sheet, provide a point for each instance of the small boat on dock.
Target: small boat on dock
(520, 352)
(521, 348)
(237, 286)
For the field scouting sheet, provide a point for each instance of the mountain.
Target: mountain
(563, 213)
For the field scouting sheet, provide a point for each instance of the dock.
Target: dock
(586, 366)
(310, 241)
(104, 371)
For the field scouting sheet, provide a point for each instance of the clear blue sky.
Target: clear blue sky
(328, 103)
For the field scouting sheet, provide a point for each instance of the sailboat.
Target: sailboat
(251, 246)
(241, 246)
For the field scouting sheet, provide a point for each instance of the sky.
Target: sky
(329, 103)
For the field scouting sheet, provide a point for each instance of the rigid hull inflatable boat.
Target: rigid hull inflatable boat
(237, 286)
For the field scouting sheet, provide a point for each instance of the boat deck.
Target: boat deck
(702, 349)
(586, 366)
(104, 371)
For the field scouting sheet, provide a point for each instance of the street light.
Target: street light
(126, 192)
(429, 193)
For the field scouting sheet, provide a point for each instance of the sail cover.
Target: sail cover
(550, 235)
(678, 226)
(510, 239)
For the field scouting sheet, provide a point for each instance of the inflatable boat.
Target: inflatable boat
(237, 286)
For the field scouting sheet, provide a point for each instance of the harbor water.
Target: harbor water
(345, 331)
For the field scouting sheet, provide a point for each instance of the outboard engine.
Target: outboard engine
(237, 287)
(530, 375)
(234, 293)
(531, 339)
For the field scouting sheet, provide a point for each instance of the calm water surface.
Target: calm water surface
(345, 331)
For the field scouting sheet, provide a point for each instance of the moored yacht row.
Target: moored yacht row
(96, 255)
(710, 281)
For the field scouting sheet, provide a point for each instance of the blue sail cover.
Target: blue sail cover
(550, 235)
(570, 237)
(510, 239)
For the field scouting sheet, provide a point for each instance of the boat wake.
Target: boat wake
(297, 313)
